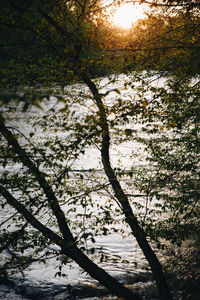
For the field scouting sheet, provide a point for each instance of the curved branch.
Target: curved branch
(40, 177)
(29, 217)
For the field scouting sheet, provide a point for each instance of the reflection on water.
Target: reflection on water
(125, 259)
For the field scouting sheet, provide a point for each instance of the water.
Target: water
(125, 259)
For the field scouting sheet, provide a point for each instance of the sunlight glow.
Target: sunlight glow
(127, 14)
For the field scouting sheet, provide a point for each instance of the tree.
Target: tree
(172, 145)
(65, 43)
(172, 115)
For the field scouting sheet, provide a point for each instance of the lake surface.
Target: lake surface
(126, 261)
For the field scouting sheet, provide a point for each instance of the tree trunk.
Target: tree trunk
(131, 219)
(67, 243)
(99, 274)
(71, 250)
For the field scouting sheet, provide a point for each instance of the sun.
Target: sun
(127, 14)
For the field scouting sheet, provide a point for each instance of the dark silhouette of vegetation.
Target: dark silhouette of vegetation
(46, 46)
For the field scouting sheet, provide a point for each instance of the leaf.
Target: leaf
(144, 103)
(168, 126)
(31, 134)
(125, 85)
